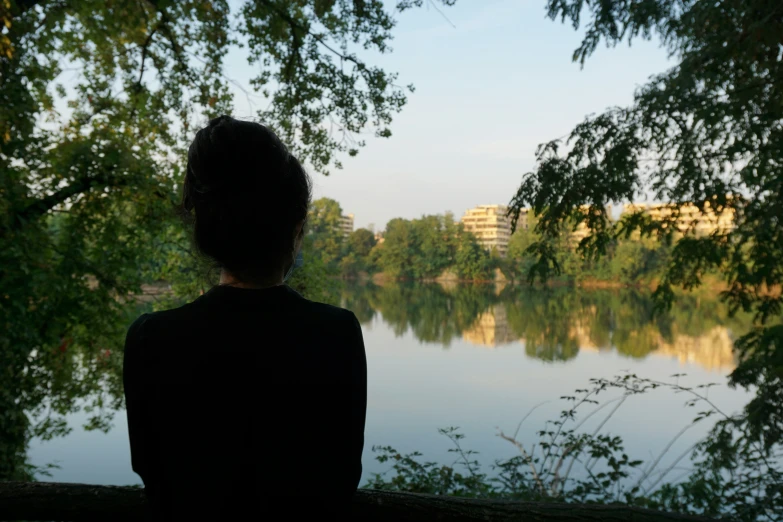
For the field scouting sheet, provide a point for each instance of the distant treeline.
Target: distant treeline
(437, 246)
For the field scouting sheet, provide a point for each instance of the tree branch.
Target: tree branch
(40, 207)
(137, 85)
(165, 21)
(318, 38)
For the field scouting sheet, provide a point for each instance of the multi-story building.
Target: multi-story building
(379, 237)
(346, 224)
(491, 226)
(688, 219)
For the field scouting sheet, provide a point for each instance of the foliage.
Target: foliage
(323, 227)
(707, 132)
(437, 246)
(472, 261)
(413, 476)
(394, 256)
(632, 260)
(98, 101)
(575, 460)
(425, 248)
(361, 242)
(315, 280)
(357, 250)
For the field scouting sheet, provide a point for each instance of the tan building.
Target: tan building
(379, 239)
(490, 225)
(688, 219)
(346, 224)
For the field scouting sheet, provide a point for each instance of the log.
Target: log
(42, 501)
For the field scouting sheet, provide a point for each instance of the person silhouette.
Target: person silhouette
(250, 394)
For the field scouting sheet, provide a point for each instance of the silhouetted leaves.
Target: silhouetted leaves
(706, 132)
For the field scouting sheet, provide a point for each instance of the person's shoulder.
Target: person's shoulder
(331, 312)
(326, 312)
(149, 323)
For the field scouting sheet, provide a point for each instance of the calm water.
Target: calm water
(481, 357)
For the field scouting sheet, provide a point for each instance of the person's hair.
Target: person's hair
(244, 194)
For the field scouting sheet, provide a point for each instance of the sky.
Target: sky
(489, 89)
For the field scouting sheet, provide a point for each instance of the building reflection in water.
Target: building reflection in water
(491, 329)
(712, 350)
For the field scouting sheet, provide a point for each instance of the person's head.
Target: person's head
(247, 198)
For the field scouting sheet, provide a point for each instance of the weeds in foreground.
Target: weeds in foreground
(728, 474)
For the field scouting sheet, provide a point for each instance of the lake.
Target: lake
(481, 357)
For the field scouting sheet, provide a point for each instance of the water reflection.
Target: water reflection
(491, 328)
(554, 324)
(51, 393)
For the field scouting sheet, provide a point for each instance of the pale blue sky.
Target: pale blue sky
(486, 94)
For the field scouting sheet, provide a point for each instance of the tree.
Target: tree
(323, 226)
(634, 261)
(435, 247)
(424, 248)
(707, 132)
(356, 253)
(472, 261)
(314, 279)
(394, 256)
(361, 242)
(104, 150)
(518, 258)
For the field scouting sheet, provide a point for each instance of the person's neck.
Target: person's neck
(226, 279)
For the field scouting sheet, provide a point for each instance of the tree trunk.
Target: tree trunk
(39, 501)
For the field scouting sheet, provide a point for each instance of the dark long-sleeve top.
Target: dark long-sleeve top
(242, 397)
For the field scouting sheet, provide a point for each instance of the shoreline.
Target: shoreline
(709, 284)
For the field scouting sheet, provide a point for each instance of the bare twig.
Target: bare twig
(534, 408)
(671, 467)
(663, 452)
(528, 458)
(441, 13)
(595, 432)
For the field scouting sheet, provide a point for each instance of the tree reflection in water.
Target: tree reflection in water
(553, 324)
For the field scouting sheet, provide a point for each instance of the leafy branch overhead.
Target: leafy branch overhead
(98, 102)
(708, 132)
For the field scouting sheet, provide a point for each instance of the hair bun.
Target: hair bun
(248, 193)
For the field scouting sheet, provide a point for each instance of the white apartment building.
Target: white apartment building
(346, 224)
(688, 219)
(491, 226)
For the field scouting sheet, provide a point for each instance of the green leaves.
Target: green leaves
(425, 248)
(707, 133)
(325, 94)
(325, 231)
(98, 103)
(568, 463)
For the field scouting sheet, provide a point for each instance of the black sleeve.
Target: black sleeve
(138, 405)
(359, 402)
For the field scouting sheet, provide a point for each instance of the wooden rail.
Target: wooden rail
(41, 501)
